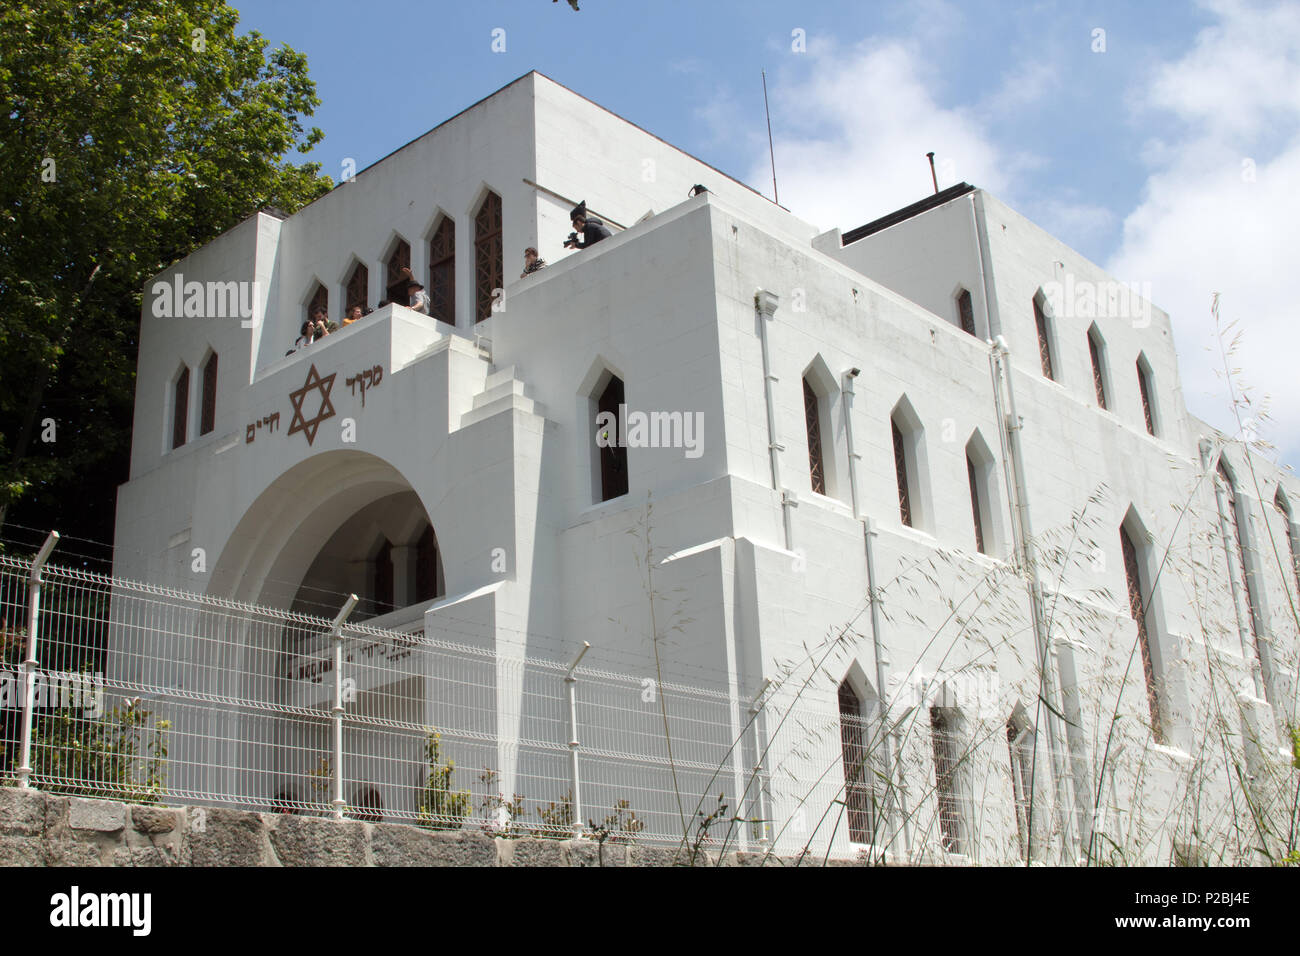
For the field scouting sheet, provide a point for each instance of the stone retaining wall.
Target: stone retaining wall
(40, 829)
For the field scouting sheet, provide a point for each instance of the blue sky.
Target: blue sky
(1170, 157)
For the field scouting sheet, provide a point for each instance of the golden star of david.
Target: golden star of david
(315, 382)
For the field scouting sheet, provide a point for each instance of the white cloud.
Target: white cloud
(853, 125)
(852, 135)
(1204, 226)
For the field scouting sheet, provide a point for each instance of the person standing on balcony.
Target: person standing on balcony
(419, 299)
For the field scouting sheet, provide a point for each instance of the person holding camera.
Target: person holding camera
(587, 230)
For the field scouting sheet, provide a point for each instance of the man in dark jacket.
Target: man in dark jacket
(590, 230)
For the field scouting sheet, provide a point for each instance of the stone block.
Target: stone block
(313, 841)
(222, 837)
(22, 812)
(396, 845)
(102, 816)
(21, 851)
(155, 820)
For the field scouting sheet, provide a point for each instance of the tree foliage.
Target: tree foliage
(134, 131)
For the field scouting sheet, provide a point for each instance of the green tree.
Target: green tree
(133, 132)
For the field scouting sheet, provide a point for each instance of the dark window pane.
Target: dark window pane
(812, 419)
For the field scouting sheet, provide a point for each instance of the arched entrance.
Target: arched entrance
(342, 522)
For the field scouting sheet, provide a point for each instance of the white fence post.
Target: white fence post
(570, 682)
(336, 633)
(755, 708)
(29, 665)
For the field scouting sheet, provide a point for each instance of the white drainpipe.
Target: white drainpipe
(765, 304)
(1009, 427)
(878, 645)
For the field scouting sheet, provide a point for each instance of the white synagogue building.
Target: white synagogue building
(1084, 598)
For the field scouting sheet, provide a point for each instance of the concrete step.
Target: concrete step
(503, 374)
(506, 402)
(498, 391)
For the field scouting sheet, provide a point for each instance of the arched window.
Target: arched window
(981, 479)
(977, 506)
(1237, 519)
(1020, 746)
(1097, 353)
(947, 777)
(208, 420)
(358, 289)
(1284, 508)
(442, 271)
(1044, 339)
(1146, 387)
(858, 791)
(813, 423)
(609, 448)
(181, 407)
(428, 567)
(901, 474)
(966, 312)
(908, 440)
(395, 280)
(320, 299)
(1138, 608)
(489, 266)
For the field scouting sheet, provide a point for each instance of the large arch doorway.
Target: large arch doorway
(341, 522)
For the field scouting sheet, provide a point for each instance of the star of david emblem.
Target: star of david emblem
(314, 382)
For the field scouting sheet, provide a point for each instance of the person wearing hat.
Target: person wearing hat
(589, 229)
(419, 298)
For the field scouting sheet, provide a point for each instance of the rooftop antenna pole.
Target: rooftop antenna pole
(933, 178)
(771, 152)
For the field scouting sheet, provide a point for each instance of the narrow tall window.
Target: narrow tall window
(181, 408)
(320, 299)
(208, 420)
(947, 757)
(900, 473)
(1020, 748)
(1095, 354)
(1137, 608)
(966, 312)
(395, 279)
(853, 743)
(1284, 508)
(358, 291)
(812, 419)
(428, 567)
(613, 455)
(1044, 341)
(971, 477)
(1238, 544)
(1144, 386)
(442, 271)
(488, 263)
